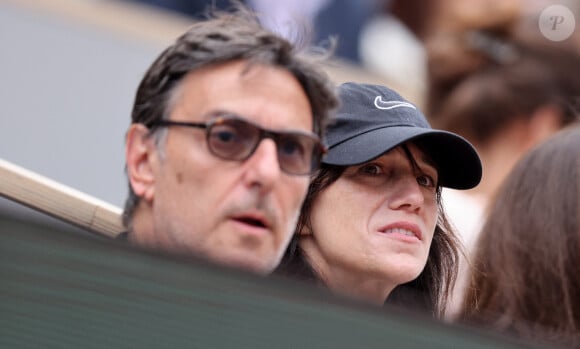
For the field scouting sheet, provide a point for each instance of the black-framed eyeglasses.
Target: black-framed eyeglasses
(231, 137)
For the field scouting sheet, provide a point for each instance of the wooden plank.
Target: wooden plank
(132, 20)
(65, 203)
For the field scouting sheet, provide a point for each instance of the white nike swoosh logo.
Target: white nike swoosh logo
(385, 105)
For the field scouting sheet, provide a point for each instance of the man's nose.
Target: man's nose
(263, 167)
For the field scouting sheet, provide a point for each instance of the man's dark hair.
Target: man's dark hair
(220, 38)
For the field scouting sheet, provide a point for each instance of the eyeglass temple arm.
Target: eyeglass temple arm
(57, 200)
(180, 123)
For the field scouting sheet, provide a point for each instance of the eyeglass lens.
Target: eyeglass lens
(236, 139)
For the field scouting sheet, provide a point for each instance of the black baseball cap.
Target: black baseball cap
(374, 119)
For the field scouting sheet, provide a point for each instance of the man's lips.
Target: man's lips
(403, 228)
(254, 219)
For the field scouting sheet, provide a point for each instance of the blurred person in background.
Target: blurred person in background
(392, 42)
(525, 279)
(342, 19)
(497, 81)
(226, 129)
(371, 226)
(380, 39)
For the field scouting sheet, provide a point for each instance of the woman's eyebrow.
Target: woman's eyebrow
(419, 159)
(424, 159)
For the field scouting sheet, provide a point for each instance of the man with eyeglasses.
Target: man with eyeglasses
(226, 129)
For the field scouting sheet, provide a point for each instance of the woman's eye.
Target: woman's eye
(371, 169)
(426, 181)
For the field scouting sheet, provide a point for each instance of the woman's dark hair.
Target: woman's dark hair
(525, 278)
(428, 292)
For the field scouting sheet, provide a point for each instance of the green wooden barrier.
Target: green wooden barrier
(62, 290)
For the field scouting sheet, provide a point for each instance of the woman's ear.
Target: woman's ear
(141, 156)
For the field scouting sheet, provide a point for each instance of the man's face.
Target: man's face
(237, 213)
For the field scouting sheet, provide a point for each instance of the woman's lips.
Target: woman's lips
(407, 229)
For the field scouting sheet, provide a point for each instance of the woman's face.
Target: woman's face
(376, 222)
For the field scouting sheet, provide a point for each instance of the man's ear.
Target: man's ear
(141, 157)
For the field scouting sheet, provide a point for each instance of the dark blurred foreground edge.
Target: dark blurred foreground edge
(62, 290)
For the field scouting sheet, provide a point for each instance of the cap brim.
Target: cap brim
(457, 162)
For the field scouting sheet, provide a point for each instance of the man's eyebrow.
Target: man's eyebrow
(219, 112)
